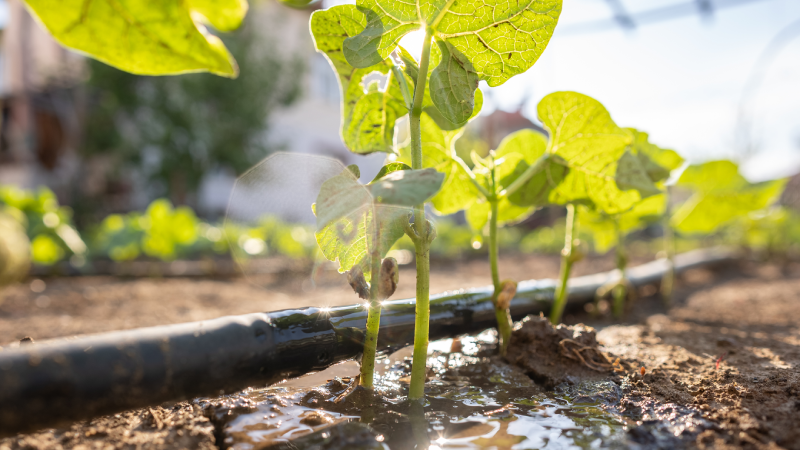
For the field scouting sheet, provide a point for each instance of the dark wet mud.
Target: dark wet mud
(474, 400)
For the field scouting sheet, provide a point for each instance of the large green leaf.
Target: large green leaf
(721, 196)
(590, 145)
(489, 40)
(368, 112)
(601, 226)
(143, 37)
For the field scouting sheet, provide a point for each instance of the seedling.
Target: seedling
(473, 42)
(611, 229)
(358, 224)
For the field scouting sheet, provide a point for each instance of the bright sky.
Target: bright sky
(681, 80)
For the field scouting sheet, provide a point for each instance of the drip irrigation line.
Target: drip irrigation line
(53, 383)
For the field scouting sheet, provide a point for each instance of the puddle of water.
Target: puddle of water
(472, 402)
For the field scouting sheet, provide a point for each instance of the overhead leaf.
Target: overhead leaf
(721, 196)
(452, 85)
(601, 225)
(143, 37)
(368, 112)
(498, 39)
(224, 15)
(590, 145)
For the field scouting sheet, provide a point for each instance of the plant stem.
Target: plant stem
(620, 291)
(504, 323)
(422, 244)
(537, 167)
(668, 280)
(374, 313)
(566, 266)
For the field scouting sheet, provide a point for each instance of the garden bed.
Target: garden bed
(742, 317)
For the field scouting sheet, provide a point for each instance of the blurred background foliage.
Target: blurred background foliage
(167, 233)
(173, 130)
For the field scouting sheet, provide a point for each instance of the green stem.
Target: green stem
(562, 291)
(620, 291)
(537, 167)
(374, 313)
(422, 244)
(668, 280)
(504, 323)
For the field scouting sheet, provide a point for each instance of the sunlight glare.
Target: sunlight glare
(412, 42)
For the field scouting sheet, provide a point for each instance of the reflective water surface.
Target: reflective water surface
(473, 401)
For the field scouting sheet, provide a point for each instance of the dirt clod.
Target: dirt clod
(554, 355)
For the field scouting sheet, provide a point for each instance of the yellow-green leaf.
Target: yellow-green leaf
(145, 38)
(368, 113)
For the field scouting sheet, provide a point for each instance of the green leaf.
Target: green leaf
(452, 85)
(389, 168)
(350, 215)
(498, 39)
(590, 145)
(224, 15)
(406, 187)
(457, 191)
(142, 37)
(340, 196)
(712, 176)
(632, 175)
(532, 146)
(601, 226)
(508, 167)
(721, 196)
(349, 239)
(658, 162)
(368, 113)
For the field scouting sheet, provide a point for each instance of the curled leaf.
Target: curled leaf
(390, 276)
(508, 289)
(355, 277)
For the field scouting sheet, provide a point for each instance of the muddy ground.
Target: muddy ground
(729, 349)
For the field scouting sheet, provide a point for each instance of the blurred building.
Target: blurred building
(40, 111)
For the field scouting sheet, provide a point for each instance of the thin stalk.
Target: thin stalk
(537, 167)
(504, 323)
(422, 242)
(620, 291)
(562, 291)
(668, 280)
(374, 313)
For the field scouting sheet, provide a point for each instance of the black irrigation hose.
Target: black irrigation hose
(55, 382)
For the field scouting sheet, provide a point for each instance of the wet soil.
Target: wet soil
(721, 367)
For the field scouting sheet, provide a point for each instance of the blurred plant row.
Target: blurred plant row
(163, 232)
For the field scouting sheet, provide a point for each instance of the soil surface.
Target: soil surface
(726, 356)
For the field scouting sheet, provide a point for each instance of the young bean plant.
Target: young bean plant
(465, 42)
(610, 230)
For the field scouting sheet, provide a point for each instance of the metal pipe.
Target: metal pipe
(52, 383)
